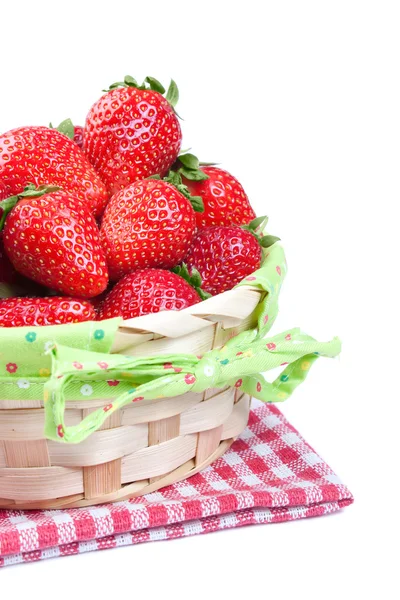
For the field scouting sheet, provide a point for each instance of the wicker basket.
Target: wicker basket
(143, 447)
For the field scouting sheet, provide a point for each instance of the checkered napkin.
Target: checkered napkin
(270, 474)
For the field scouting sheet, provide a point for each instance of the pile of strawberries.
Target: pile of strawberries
(112, 220)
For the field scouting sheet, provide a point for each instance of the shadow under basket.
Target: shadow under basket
(143, 446)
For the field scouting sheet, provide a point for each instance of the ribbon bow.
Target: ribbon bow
(240, 363)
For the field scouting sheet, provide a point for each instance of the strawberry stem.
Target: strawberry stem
(150, 83)
(66, 127)
(188, 165)
(193, 278)
(256, 227)
(30, 191)
(175, 179)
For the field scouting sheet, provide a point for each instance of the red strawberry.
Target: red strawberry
(225, 201)
(223, 256)
(41, 155)
(147, 291)
(78, 135)
(13, 283)
(17, 312)
(148, 224)
(3, 191)
(53, 239)
(132, 132)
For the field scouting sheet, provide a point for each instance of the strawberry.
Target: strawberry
(132, 132)
(13, 283)
(51, 237)
(224, 255)
(225, 201)
(147, 291)
(3, 191)
(78, 135)
(17, 312)
(45, 156)
(148, 224)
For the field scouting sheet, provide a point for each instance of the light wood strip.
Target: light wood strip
(170, 324)
(160, 408)
(32, 453)
(29, 424)
(192, 343)
(162, 431)
(47, 504)
(158, 460)
(208, 414)
(211, 392)
(101, 447)
(105, 477)
(125, 338)
(196, 343)
(208, 442)
(40, 483)
(2, 456)
(19, 404)
(234, 305)
(238, 419)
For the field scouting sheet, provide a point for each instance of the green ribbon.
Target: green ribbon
(238, 364)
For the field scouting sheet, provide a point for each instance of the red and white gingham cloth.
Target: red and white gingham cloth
(269, 474)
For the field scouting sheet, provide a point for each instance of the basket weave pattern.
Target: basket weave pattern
(144, 446)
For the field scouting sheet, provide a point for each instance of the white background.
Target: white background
(301, 101)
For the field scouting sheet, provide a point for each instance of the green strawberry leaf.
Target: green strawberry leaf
(129, 81)
(255, 223)
(67, 128)
(115, 85)
(268, 240)
(150, 83)
(203, 294)
(196, 201)
(175, 179)
(188, 165)
(6, 207)
(193, 278)
(192, 174)
(30, 191)
(182, 271)
(188, 160)
(256, 227)
(172, 94)
(196, 278)
(155, 85)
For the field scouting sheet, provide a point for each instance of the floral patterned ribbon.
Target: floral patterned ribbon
(239, 363)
